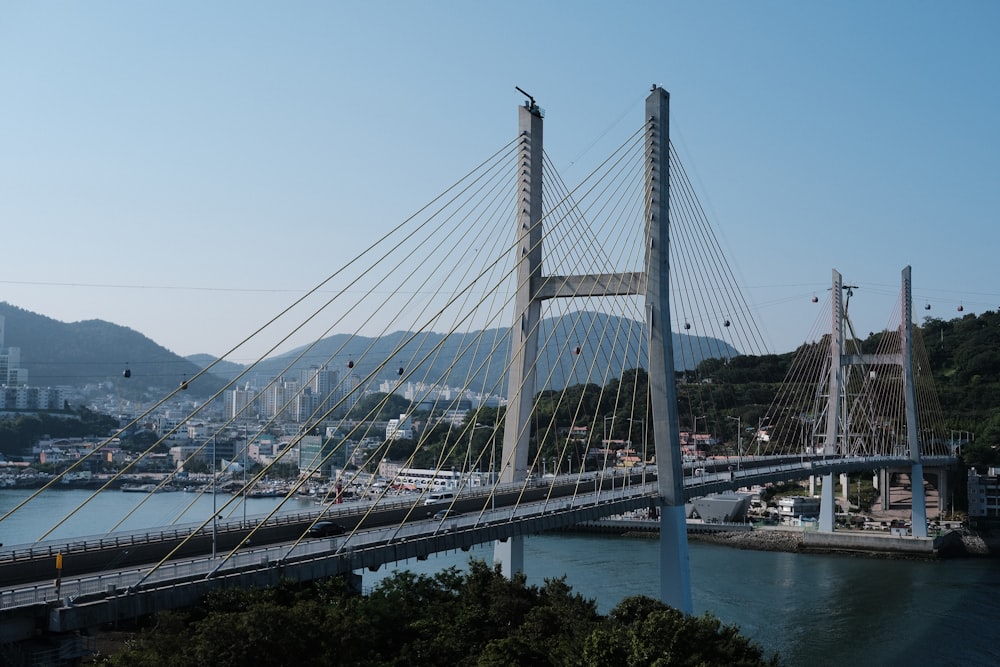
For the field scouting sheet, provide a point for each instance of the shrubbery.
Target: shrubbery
(476, 618)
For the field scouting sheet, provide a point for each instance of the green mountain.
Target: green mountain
(95, 352)
(467, 359)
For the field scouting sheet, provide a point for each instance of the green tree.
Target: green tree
(643, 631)
(474, 619)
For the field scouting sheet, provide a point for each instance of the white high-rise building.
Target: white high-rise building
(11, 373)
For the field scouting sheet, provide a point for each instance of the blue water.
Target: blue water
(812, 609)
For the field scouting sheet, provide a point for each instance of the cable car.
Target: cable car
(960, 308)
(184, 384)
(726, 323)
(687, 325)
(127, 373)
(400, 371)
(815, 299)
(576, 350)
(927, 306)
(350, 364)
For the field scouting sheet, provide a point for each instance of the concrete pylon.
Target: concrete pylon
(675, 566)
(835, 441)
(534, 287)
(527, 312)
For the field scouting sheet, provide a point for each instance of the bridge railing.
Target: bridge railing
(111, 583)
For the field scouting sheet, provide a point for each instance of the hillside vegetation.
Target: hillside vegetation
(479, 618)
(964, 355)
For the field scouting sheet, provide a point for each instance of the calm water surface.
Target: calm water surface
(812, 609)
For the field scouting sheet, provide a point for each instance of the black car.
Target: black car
(326, 529)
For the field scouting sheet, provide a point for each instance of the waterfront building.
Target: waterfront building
(984, 498)
(798, 507)
(320, 455)
(420, 479)
(11, 372)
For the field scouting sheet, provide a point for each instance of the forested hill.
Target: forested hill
(964, 357)
(94, 351)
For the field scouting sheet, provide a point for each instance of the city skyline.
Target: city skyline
(187, 171)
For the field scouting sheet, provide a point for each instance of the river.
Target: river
(812, 609)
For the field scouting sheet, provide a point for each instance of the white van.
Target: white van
(439, 497)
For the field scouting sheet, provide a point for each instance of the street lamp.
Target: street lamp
(467, 467)
(606, 431)
(696, 423)
(215, 511)
(739, 438)
(608, 434)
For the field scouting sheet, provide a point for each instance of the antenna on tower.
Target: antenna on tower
(530, 104)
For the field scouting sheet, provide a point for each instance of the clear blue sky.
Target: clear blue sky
(187, 168)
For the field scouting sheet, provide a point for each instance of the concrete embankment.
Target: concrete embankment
(648, 528)
(951, 544)
(883, 545)
(758, 540)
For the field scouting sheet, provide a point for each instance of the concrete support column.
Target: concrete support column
(812, 485)
(886, 480)
(827, 505)
(675, 568)
(845, 484)
(943, 491)
(918, 515)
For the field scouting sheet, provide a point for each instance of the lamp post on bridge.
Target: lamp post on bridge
(215, 511)
(694, 432)
(739, 438)
(608, 434)
(696, 422)
(467, 467)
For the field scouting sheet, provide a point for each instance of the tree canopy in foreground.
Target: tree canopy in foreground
(474, 618)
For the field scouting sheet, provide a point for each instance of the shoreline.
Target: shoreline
(954, 544)
(965, 544)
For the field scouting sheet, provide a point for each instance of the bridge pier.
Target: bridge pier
(885, 478)
(918, 513)
(827, 505)
(675, 565)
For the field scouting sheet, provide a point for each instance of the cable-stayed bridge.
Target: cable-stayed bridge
(599, 314)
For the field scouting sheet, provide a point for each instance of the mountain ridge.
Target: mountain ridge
(95, 351)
